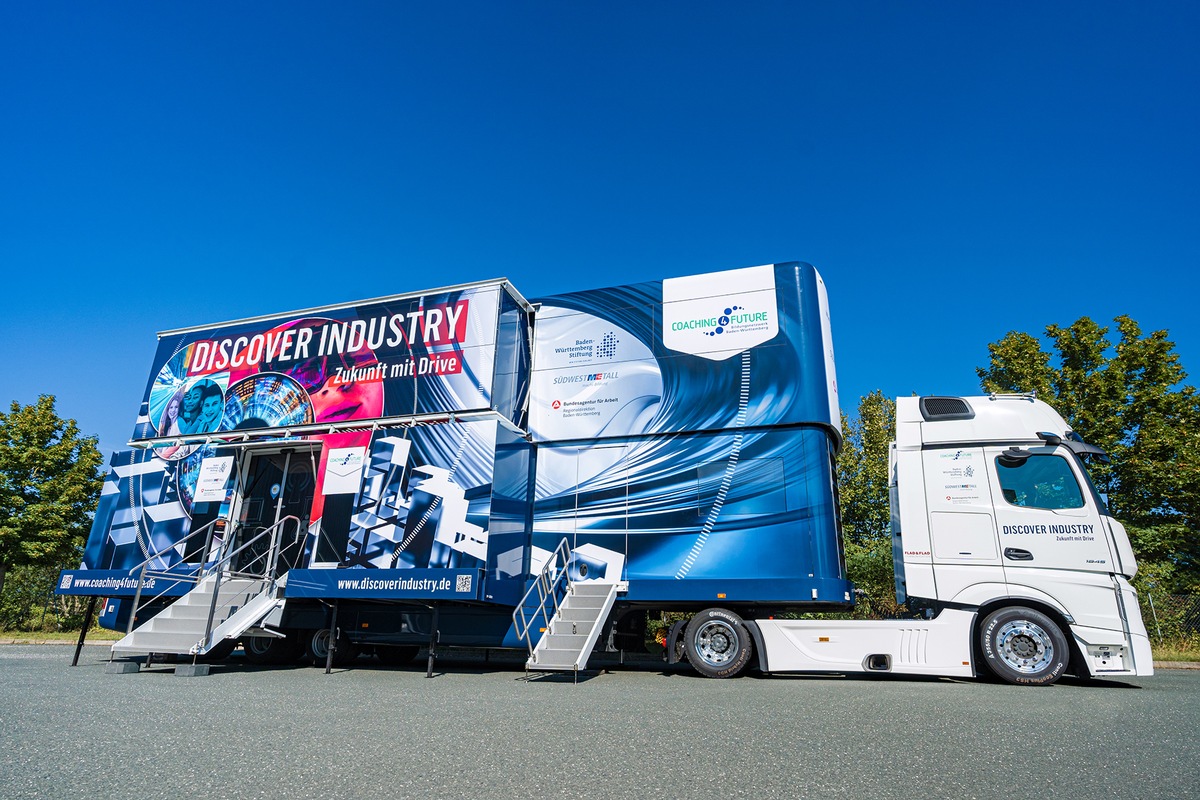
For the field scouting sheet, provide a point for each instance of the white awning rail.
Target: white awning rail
(259, 435)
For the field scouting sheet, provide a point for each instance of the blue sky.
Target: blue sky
(954, 170)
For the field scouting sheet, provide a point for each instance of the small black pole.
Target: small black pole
(87, 623)
(433, 640)
(333, 636)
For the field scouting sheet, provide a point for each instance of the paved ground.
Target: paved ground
(480, 731)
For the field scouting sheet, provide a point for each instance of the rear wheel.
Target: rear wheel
(317, 650)
(1023, 646)
(717, 643)
(271, 650)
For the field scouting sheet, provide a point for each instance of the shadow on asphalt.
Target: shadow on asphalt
(473, 663)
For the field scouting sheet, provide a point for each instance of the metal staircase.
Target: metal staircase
(231, 595)
(568, 614)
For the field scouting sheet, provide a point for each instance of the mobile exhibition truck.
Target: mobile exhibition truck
(465, 467)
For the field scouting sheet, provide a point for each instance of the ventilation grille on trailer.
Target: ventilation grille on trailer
(937, 409)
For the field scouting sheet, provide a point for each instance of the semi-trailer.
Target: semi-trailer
(464, 467)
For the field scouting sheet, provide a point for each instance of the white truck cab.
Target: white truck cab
(1002, 540)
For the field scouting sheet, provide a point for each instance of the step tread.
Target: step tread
(591, 589)
(153, 642)
(563, 641)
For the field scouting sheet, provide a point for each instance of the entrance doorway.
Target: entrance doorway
(273, 486)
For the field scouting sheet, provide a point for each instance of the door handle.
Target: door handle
(1017, 554)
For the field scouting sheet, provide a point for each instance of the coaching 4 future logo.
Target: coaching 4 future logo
(746, 312)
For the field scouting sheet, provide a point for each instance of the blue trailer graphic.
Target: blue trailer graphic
(429, 456)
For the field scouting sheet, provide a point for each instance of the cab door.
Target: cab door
(1053, 540)
(1045, 515)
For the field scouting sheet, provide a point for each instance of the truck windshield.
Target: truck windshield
(1087, 455)
(1085, 460)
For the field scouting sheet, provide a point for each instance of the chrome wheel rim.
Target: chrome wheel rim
(1024, 646)
(716, 642)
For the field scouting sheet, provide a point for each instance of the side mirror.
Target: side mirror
(1050, 438)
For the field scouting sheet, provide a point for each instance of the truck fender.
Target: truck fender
(759, 647)
(673, 638)
(982, 594)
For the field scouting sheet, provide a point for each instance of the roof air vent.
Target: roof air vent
(940, 409)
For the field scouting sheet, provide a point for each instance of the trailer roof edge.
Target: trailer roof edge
(503, 283)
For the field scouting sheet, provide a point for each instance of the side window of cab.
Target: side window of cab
(1040, 481)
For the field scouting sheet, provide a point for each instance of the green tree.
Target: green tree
(49, 483)
(863, 493)
(1127, 394)
(863, 469)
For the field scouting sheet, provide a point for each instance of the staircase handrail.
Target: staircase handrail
(217, 567)
(144, 566)
(210, 527)
(267, 575)
(546, 584)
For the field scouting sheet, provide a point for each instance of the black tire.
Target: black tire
(317, 648)
(396, 655)
(270, 650)
(1023, 646)
(717, 643)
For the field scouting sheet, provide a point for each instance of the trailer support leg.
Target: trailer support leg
(433, 640)
(87, 623)
(333, 637)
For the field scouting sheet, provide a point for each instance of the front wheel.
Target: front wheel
(717, 643)
(1023, 646)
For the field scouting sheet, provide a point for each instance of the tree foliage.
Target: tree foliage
(1126, 394)
(49, 483)
(863, 491)
(863, 469)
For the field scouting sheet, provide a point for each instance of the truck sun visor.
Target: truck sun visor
(1075, 443)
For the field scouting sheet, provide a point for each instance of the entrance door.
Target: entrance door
(274, 486)
(601, 539)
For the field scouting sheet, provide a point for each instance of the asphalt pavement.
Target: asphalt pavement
(480, 730)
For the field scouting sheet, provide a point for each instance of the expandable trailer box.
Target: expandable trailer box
(436, 448)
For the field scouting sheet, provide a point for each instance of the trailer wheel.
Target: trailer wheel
(317, 650)
(396, 655)
(1024, 646)
(270, 650)
(717, 643)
